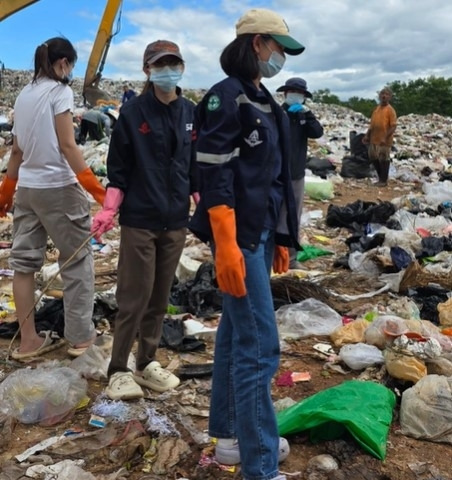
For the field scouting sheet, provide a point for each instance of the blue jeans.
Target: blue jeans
(246, 358)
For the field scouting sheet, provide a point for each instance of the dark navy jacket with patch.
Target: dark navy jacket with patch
(237, 149)
(152, 159)
(303, 125)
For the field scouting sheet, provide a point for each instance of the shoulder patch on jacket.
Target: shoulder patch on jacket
(213, 103)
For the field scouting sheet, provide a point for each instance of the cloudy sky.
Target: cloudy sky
(353, 47)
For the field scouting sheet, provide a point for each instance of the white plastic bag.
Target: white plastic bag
(307, 318)
(425, 411)
(360, 355)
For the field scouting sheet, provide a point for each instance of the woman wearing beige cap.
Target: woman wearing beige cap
(151, 168)
(242, 153)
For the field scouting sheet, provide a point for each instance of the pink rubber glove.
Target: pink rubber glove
(104, 220)
(196, 197)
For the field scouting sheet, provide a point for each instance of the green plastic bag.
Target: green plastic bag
(309, 252)
(318, 188)
(364, 409)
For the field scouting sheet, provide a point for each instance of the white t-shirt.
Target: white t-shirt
(44, 165)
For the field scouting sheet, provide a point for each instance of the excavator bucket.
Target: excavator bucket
(95, 96)
(91, 91)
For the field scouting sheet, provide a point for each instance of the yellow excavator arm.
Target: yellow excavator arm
(96, 62)
(91, 91)
(8, 7)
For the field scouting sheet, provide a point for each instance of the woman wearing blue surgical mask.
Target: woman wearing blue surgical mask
(48, 169)
(152, 170)
(243, 158)
(303, 125)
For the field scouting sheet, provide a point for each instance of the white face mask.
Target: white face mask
(293, 98)
(273, 65)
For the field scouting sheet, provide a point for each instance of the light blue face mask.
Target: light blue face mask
(273, 65)
(67, 78)
(166, 78)
(293, 98)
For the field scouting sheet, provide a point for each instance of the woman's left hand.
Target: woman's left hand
(281, 259)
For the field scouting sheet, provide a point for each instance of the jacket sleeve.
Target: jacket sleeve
(314, 128)
(194, 169)
(217, 147)
(120, 156)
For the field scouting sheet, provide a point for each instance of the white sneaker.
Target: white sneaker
(227, 451)
(157, 378)
(122, 386)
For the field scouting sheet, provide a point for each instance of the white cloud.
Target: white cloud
(353, 48)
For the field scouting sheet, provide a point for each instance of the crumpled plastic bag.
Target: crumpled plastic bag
(445, 313)
(425, 409)
(360, 355)
(364, 409)
(43, 395)
(404, 367)
(318, 189)
(352, 332)
(306, 318)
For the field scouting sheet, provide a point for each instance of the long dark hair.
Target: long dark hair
(48, 53)
(238, 59)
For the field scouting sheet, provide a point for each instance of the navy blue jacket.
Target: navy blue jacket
(152, 159)
(303, 125)
(236, 158)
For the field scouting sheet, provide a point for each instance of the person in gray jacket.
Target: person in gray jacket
(95, 124)
(303, 125)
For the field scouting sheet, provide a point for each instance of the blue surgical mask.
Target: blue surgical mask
(166, 78)
(293, 98)
(273, 65)
(67, 78)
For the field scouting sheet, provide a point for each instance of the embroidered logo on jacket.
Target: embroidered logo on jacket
(253, 139)
(213, 103)
(144, 128)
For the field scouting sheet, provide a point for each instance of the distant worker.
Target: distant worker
(380, 136)
(48, 168)
(152, 171)
(303, 125)
(128, 93)
(95, 125)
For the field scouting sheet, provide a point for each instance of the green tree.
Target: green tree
(423, 96)
(325, 96)
(362, 105)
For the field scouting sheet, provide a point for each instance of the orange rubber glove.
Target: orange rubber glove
(7, 189)
(229, 262)
(91, 184)
(281, 259)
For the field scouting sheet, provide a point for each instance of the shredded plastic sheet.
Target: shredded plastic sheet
(160, 423)
(117, 410)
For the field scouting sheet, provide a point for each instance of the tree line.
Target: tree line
(421, 96)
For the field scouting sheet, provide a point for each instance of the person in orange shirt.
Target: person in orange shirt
(380, 136)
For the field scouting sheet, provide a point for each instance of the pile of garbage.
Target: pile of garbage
(394, 343)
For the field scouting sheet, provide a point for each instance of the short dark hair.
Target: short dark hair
(238, 59)
(48, 53)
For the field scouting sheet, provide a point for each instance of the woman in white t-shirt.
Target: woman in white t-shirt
(47, 167)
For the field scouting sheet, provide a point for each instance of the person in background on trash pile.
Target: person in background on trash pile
(380, 136)
(243, 156)
(303, 125)
(151, 169)
(48, 168)
(95, 124)
(127, 94)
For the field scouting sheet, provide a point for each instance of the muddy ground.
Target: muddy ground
(407, 458)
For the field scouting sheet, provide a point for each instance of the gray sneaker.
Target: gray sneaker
(227, 451)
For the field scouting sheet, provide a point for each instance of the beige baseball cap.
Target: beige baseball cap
(266, 22)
